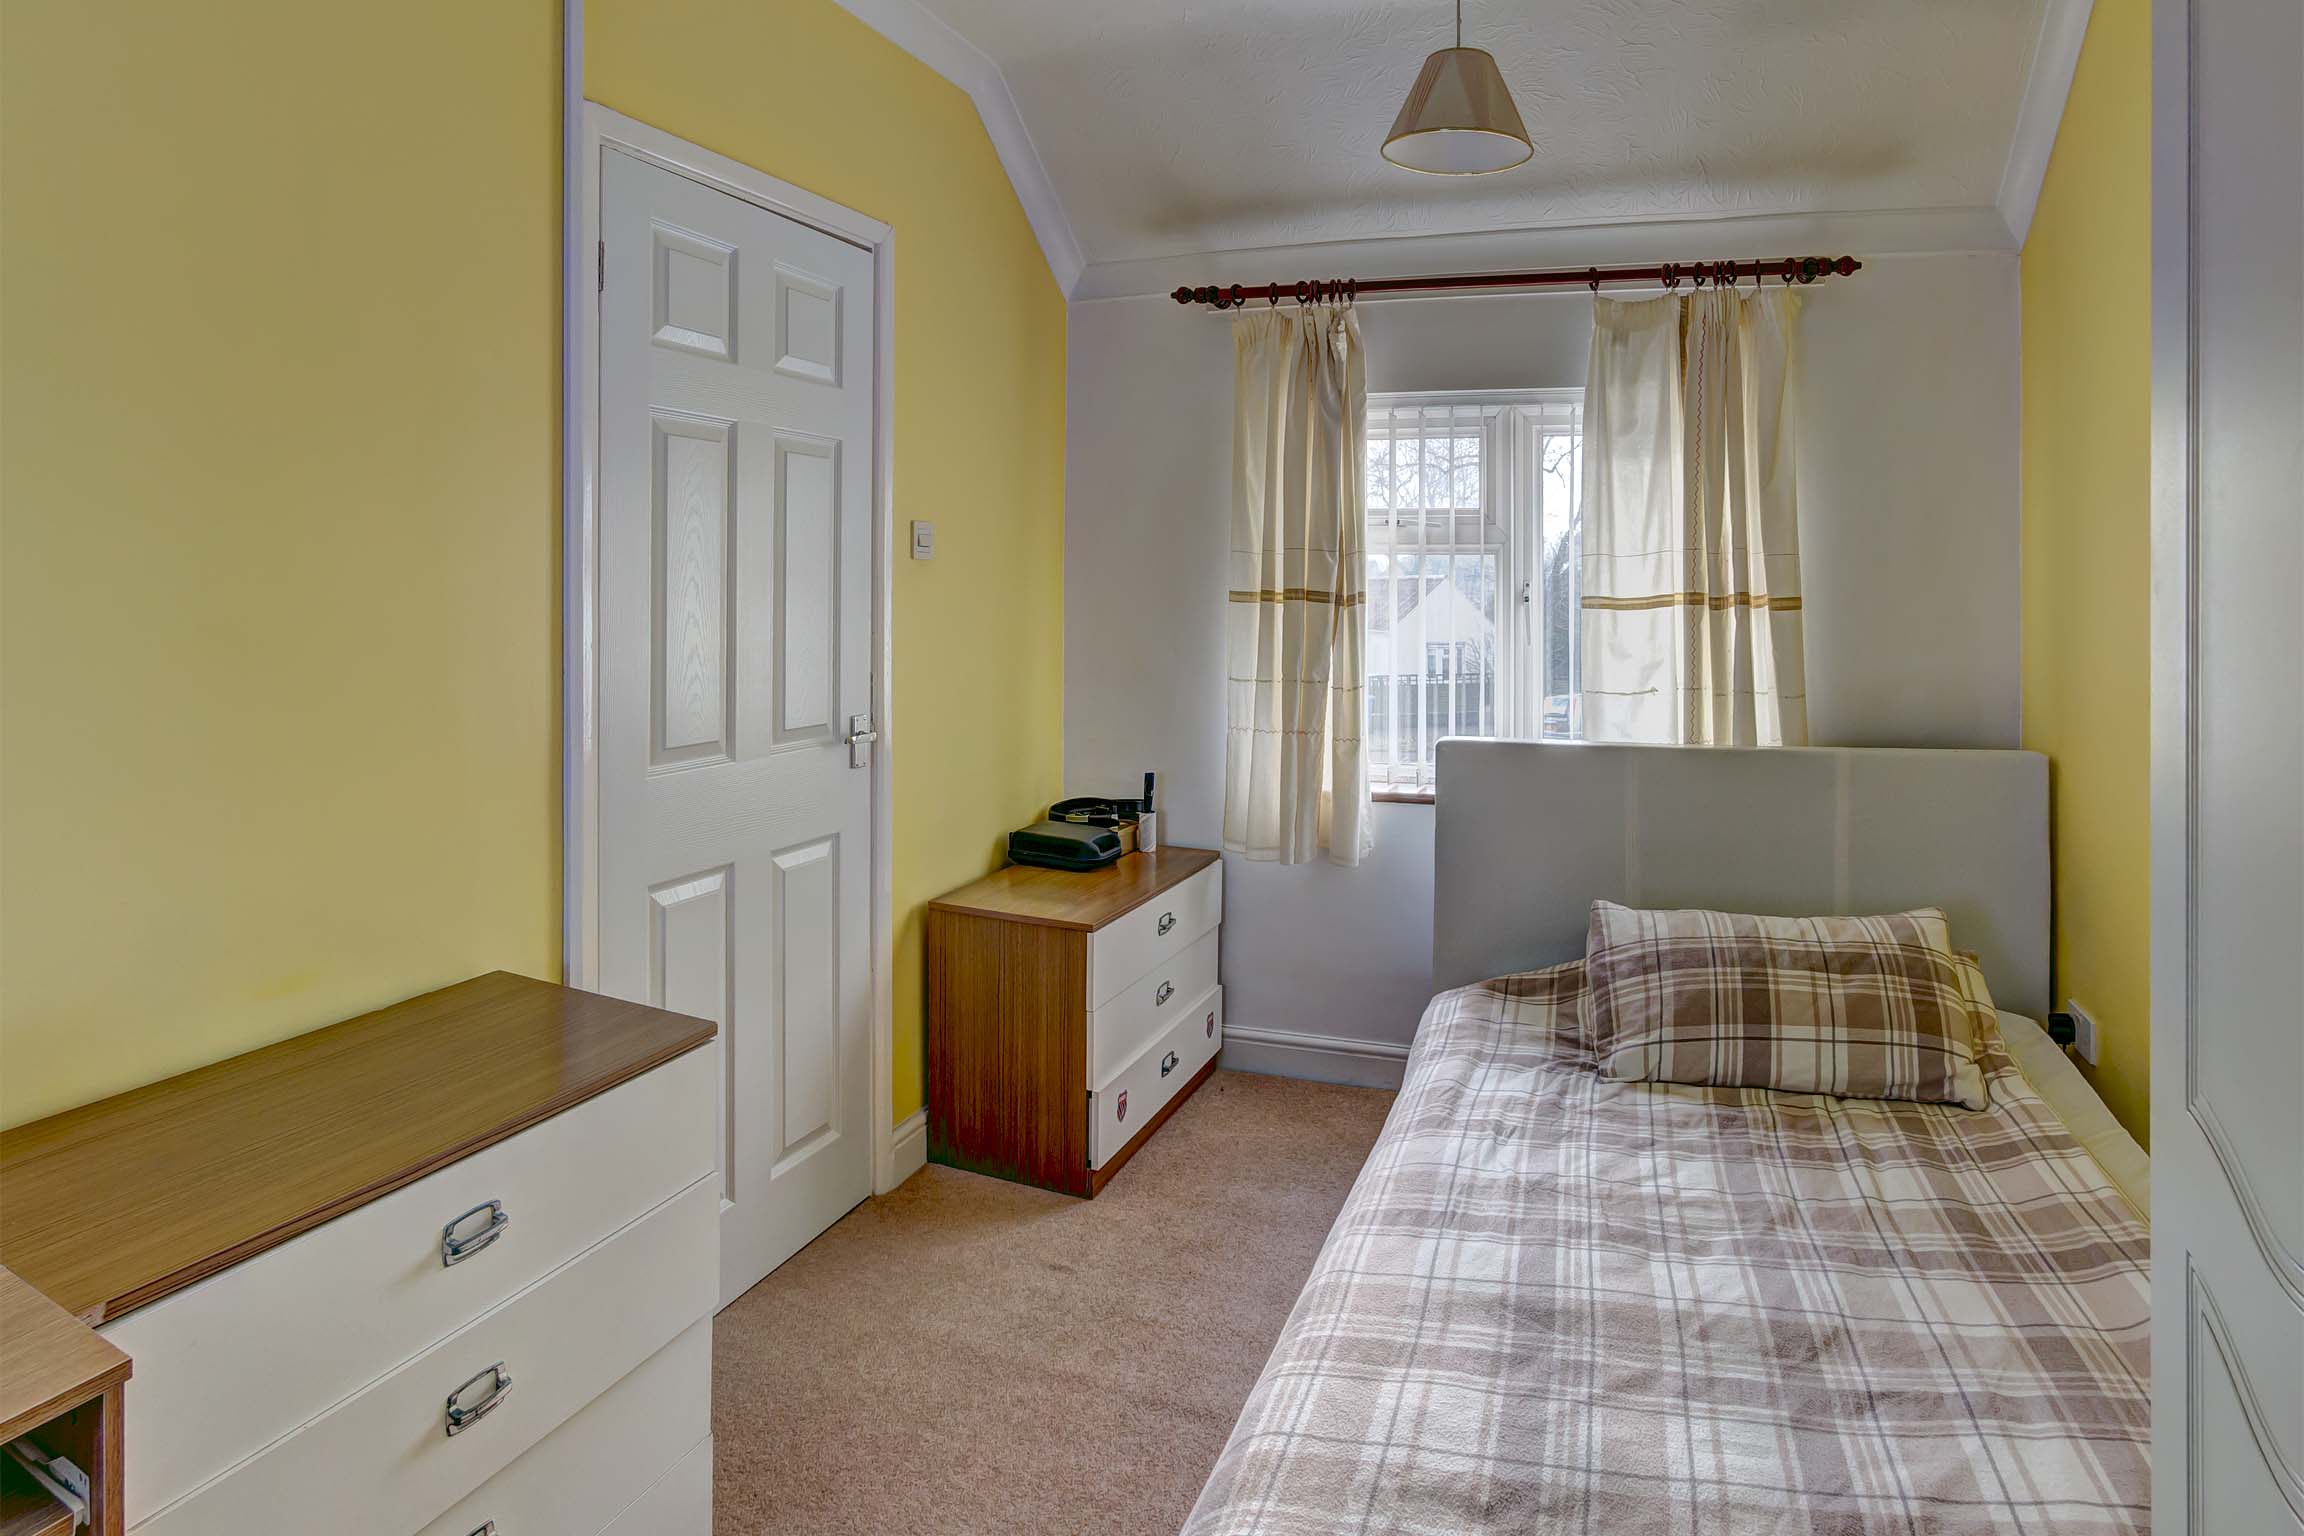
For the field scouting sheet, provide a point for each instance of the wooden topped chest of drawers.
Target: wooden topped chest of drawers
(330, 1259)
(1070, 1013)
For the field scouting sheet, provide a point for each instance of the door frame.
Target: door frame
(593, 131)
(2187, 1136)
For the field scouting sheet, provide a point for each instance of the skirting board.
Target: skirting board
(1319, 1058)
(908, 1152)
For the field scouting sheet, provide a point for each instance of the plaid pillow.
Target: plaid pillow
(1859, 1007)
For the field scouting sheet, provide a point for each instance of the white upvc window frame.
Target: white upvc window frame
(1512, 425)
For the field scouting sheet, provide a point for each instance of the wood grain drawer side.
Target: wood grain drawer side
(602, 1461)
(1121, 952)
(234, 1362)
(382, 1463)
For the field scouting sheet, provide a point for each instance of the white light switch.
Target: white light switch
(923, 539)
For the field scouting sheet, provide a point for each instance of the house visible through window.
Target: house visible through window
(1472, 565)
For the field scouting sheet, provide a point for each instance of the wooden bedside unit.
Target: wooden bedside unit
(62, 1385)
(1070, 1013)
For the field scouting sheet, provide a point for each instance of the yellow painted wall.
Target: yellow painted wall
(805, 92)
(279, 319)
(2086, 544)
(279, 555)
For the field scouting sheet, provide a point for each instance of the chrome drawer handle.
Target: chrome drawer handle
(1167, 921)
(455, 1250)
(1167, 991)
(461, 1417)
(1168, 1063)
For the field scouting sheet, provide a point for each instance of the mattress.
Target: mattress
(2053, 1076)
(1553, 1303)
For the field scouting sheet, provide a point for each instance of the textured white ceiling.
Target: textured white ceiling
(1170, 128)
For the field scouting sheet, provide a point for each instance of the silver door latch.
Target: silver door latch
(860, 739)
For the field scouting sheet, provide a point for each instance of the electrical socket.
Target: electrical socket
(2083, 1031)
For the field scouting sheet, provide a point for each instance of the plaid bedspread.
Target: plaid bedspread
(1554, 1303)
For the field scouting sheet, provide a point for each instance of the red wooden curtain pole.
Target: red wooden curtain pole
(1718, 274)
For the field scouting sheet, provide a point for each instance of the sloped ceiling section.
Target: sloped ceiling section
(1138, 131)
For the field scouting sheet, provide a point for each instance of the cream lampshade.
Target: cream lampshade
(1459, 119)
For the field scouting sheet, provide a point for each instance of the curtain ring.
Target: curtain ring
(1592, 278)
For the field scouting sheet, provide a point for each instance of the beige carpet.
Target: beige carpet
(968, 1355)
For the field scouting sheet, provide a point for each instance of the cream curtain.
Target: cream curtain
(1295, 759)
(1691, 544)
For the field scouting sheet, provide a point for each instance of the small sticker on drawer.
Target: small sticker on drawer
(1120, 1111)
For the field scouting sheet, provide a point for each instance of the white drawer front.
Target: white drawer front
(679, 1505)
(1140, 1090)
(382, 1463)
(1120, 1028)
(1167, 925)
(233, 1363)
(601, 1461)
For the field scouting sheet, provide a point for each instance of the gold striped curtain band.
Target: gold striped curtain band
(1298, 595)
(1718, 602)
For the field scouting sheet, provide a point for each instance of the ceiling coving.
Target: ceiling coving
(1168, 128)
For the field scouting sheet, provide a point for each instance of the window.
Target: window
(1472, 565)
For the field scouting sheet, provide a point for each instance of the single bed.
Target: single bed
(1555, 1303)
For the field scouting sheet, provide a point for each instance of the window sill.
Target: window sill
(1402, 796)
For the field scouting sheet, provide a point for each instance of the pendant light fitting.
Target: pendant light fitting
(1459, 119)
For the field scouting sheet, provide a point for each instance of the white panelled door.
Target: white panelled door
(735, 613)
(2228, 768)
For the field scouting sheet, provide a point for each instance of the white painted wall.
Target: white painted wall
(1908, 512)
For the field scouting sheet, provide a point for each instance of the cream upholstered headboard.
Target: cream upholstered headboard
(1530, 833)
